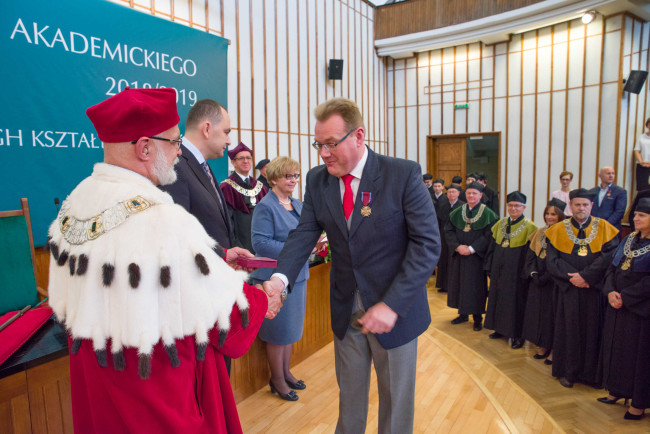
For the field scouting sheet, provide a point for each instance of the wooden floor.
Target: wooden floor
(466, 383)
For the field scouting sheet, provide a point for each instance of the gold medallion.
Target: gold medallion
(468, 227)
(626, 263)
(582, 251)
(505, 243)
(366, 211)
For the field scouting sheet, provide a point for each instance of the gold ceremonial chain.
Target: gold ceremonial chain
(77, 231)
(507, 237)
(542, 242)
(468, 221)
(246, 192)
(582, 242)
(634, 253)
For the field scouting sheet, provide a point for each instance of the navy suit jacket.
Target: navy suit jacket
(194, 192)
(613, 207)
(388, 256)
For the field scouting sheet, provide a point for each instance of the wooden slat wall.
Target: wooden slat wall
(277, 67)
(421, 15)
(554, 93)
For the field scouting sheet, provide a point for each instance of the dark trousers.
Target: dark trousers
(642, 178)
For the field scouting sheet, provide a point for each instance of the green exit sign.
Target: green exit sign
(461, 106)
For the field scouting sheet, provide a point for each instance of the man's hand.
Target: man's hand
(320, 245)
(378, 319)
(275, 303)
(273, 286)
(577, 280)
(463, 250)
(233, 253)
(615, 299)
(645, 164)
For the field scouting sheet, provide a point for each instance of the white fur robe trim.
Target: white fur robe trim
(164, 235)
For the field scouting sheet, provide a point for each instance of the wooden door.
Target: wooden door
(447, 157)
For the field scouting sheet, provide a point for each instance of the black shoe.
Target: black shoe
(495, 335)
(291, 396)
(478, 326)
(606, 400)
(442, 290)
(542, 356)
(517, 343)
(298, 385)
(460, 319)
(548, 362)
(630, 416)
(565, 382)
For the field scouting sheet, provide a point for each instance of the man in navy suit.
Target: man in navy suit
(384, 239)
(196, 188)
(611, 200)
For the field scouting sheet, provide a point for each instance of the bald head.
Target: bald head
(607, 176)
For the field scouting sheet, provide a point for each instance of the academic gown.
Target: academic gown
(241, 208)
(539, 316)
(466, 282)
(194, 397)
(625, 359)
(508, 281)
(580, 311)
(443, 217)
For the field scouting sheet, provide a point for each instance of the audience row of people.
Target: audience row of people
(568, 287)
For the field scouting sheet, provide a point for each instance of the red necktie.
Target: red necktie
(348, 202)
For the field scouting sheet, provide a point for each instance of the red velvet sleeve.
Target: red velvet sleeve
(240, 339)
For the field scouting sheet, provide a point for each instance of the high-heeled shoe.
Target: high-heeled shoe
(606, 400)
(298, 385)
(630, 416)
(542, 356)
(291, 396)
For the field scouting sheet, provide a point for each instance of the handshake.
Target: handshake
(276, 293)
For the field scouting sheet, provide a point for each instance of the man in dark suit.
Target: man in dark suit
(384, 243)
(427, 178)
(610, 200)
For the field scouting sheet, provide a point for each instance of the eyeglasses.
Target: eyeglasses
(178, 141)
(243, 159)
(291, 176)
(330, 146)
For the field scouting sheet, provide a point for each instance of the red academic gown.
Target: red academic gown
(195, 397)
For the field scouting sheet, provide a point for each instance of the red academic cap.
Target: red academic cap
(239, 148)
(134, 113)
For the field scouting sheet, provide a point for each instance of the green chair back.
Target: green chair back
(17, 281)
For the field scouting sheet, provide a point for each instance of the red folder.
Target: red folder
(18, 332)
(257, 262)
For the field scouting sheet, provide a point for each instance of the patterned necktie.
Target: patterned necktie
(348, 201)
(207, 171)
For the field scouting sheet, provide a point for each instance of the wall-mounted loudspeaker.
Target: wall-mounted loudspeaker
(635, 81)
(335, 69)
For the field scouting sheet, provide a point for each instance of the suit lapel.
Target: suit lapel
(370, 183)
(333, 200)
(200, 174)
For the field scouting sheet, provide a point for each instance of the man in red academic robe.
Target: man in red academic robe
(149, 305)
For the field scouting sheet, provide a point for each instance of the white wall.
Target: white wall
(553, 93)
(277, 66)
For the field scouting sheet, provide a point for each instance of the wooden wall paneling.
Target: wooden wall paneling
(48, 387)
(14, 404)
(600, 93)
(550, 120)
(590, 101)
(500, 112)
(452, 86)
(619, 115)
(394, 125)
(417, 107)
(407, 79)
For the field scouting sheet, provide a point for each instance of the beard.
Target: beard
(162, 170)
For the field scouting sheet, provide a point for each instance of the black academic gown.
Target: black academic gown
(491, 199)
(508, 288)
(466, 281)
(443, 262)
(580, 312)
(625, 357)
(241, 209)
(539, 316)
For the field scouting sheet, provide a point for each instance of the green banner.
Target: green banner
(61, 57)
